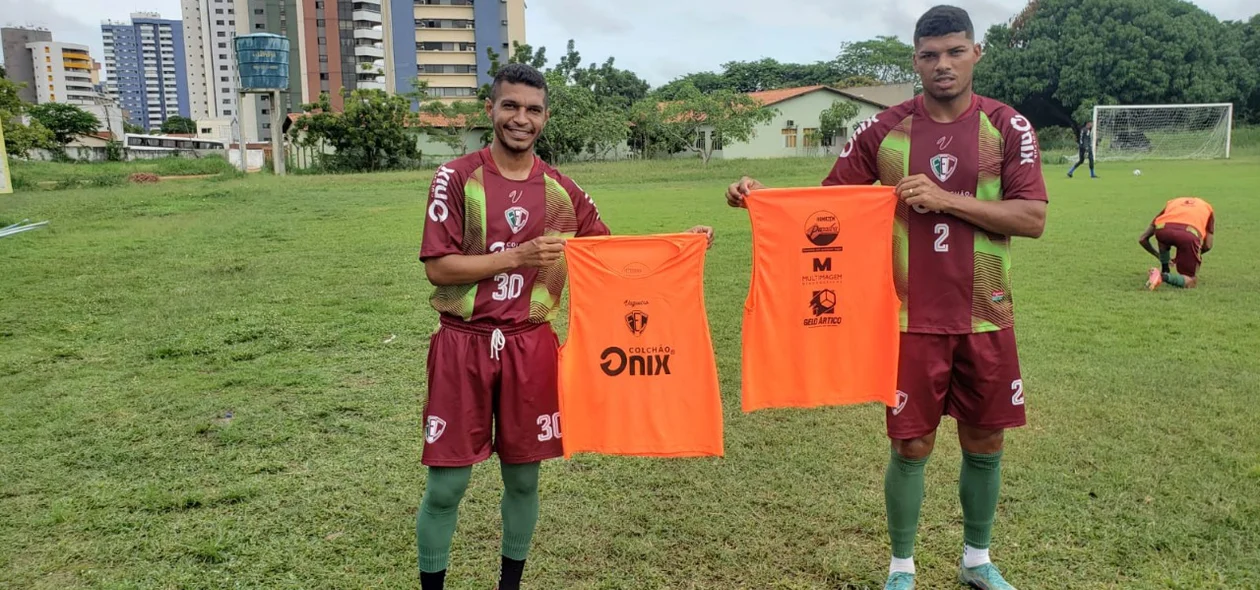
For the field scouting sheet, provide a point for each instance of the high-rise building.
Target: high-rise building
(19, 65)
(444, 42)
(209, 26)
(146, 68)
(342, 45)
(62, 72)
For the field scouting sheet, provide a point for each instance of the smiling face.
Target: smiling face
(945, 64)
(519, 113)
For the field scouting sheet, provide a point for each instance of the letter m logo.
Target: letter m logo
(822, 265)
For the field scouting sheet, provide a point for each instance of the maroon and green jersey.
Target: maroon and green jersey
(952, 277)
(474, 210)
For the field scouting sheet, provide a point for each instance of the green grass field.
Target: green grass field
(144, 315)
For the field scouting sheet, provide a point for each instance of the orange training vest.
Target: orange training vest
(821, 319)
(1191, 211)
(637, 373)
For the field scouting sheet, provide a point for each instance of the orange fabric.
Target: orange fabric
(637, 373)
(1192, 211)
(821, 319)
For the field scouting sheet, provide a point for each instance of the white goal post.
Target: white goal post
(1162, 131)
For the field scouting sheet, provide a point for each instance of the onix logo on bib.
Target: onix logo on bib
(640, 361)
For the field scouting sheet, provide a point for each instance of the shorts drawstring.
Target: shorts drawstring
(497, 341)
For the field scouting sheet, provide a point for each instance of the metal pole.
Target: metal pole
(277, 135)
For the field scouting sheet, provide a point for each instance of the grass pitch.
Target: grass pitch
(217, 384)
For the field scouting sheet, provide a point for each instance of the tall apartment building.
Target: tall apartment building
(62, 72)
(444, 42)
(209, 26)
(146, 68)
(342, 45)
(18, 62)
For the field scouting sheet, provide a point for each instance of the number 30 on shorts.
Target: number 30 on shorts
(550, 425)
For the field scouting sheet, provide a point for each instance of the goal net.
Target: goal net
(1162, 132)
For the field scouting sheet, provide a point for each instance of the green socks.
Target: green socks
(520, 508)
(1165, 258)
(1175, 280)
(978, 490)
(435, 521)
(903, 495)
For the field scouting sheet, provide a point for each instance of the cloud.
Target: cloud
(581, 17)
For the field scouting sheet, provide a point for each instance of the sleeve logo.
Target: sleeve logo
(1027, 142)
(438, 209)
(849, 145)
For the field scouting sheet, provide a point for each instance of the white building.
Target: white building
(63, 73)
(209, 26)
(369, 44)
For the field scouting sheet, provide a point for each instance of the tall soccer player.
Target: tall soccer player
(493, 246)
(967, 172)
(1187, 224)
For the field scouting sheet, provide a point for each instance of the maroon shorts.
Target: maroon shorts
(972, 377)
(1187, 243)
(491, 391)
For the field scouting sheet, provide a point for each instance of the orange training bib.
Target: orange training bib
(821, 318)
(637, 373)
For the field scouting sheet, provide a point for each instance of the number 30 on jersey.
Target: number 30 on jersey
(507, 286)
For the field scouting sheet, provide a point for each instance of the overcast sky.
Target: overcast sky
(658, 39)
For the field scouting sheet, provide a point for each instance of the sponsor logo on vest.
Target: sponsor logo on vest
(1027, 143)
(643, 361)
(637, 322)
(516, 218)
(944, 165)
(822, 303)
(635, 269)
(438, 210)
(822, 228)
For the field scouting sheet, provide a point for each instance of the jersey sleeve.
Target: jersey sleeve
(444, 215)
(589, 221)
(1021, 159)
(858, 162)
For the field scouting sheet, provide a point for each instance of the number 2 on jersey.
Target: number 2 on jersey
(942, 234)
(509, 286)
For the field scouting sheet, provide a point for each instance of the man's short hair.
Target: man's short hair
(518, 74)
(943, 20)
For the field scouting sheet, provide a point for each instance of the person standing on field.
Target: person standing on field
(493, 246)
(967, 172)
(1085, 147)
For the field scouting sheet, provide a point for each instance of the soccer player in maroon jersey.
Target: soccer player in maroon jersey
(493, 246)
(967, 171)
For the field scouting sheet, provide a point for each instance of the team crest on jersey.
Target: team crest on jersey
(637, 322)
(902, 398)
(943, 166)
(516, 218)
(433, 429)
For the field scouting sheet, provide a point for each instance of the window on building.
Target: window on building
(812, 138)
(319, 22)
(323, 76)
(260, 26)
(789, 137)
(218, 22)
(220, 34)
(258, 11)
(227, 111)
